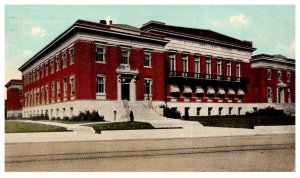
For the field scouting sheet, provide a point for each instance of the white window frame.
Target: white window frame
(147, 62)
(64, 59)
(270, 95)
(208, 67)
(71, 54)
(172, 57)
(228, 68)
(58, 89)
(185, 64)
(65, 86)
(279, 73)
(47, 69)
(148, 81)
(57, 62)
(101, 94)
(238, 69)
(197, 65)
(269, 77)
(219, 67)
(52, 65)
(72, 91)
(52, 91)
(125, 56)
(100, 54)
(288, 76)
(42, 71)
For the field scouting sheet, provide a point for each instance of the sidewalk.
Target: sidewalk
(189, 129)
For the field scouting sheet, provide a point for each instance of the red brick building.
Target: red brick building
(14, 101)
(273, 80)
(98, 66)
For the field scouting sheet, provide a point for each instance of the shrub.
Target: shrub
(88, 116)
(269, 111)
(171, 113)
(66, 118)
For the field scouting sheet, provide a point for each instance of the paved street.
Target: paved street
(244, 153)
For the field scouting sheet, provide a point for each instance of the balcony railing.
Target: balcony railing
(193, 75)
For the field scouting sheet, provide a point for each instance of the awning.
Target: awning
(240, 92)
(210, 90)
(231, 91)
(187, 89)
(221, 91)
(199, 90)
(174, 89)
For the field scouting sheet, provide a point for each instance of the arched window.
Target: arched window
(270, 95)
(269, 74)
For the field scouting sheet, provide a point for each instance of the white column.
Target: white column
(133, 90)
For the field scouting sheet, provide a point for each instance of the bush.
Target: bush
(88, 116)
(269, 111)
(66, 118)
(171, 113)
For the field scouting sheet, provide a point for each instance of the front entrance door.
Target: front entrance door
(125, 91)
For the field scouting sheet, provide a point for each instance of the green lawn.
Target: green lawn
(21, 127)
(121, 126)
(244, 121)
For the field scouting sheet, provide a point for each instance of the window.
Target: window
(43, 92)
(269, 74)
(147, 59)
(100, 54)
(238, 70)
(71, 53)
(33, 76)
(52, 89)
(269, 94)
(46, 68)
(208, 67)
(197, 66)
(125, 56)
(172, 62)
(58, 89)
(198, 111)
(65, 87)
(209, 111)
(239, 110)
(64, 58)
(220, 111)
(47, 93)
(72, 82)
(288, 77)
(219, 68)
(38, 74)
(279, 75)
(42, 71)
(100, 85)
(147, 87)
(52, 66)
(228, 68)
(185, 65)
(57, 63)
(230, 111)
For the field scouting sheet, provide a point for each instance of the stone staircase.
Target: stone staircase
(144, 114)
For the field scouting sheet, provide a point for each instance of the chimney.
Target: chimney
(103, 22)
(110, 22)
